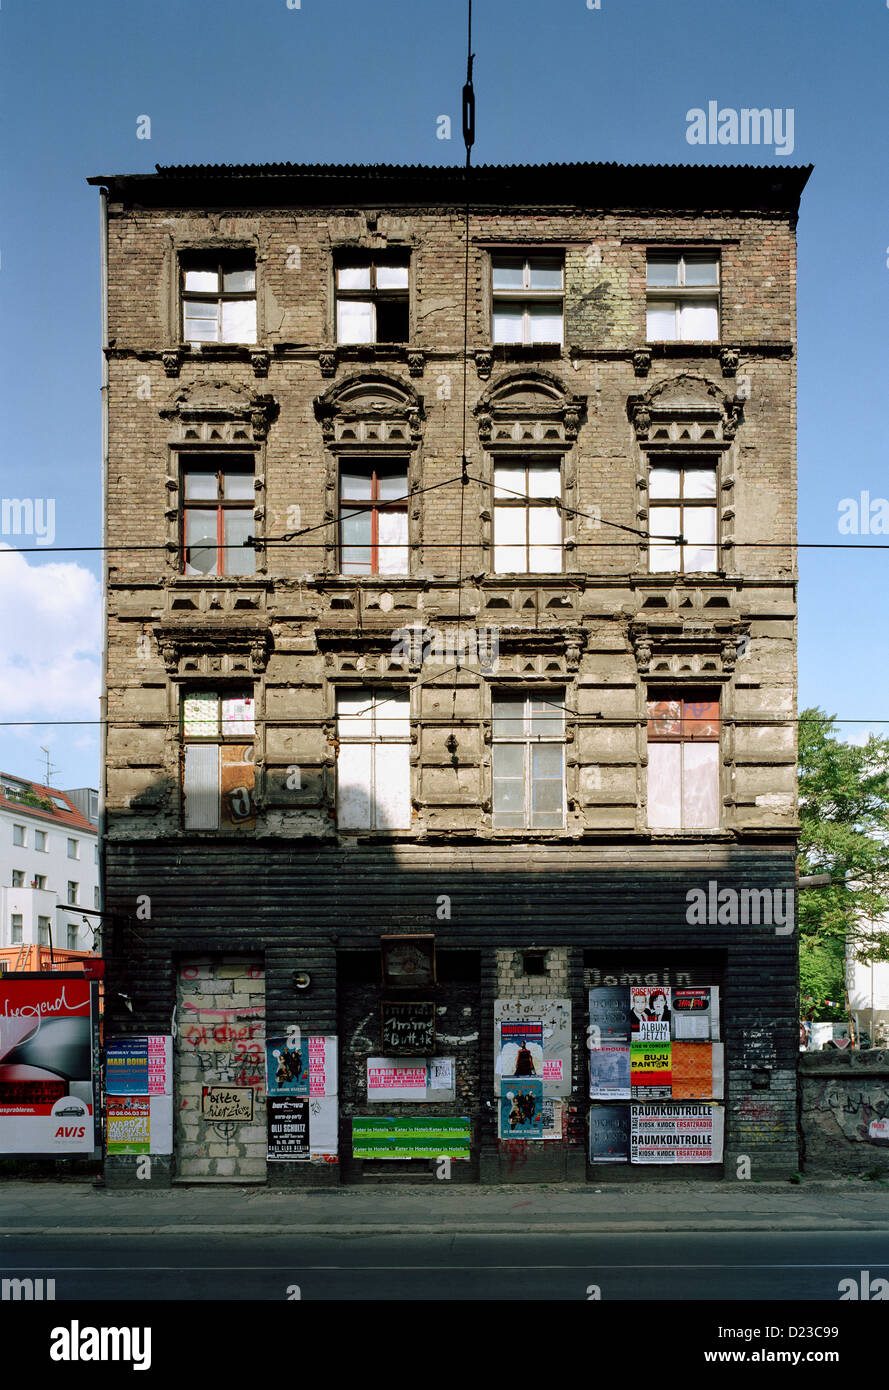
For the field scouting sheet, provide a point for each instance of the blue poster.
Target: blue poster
(521, 1109)
(126, 1067)
(287, 1068)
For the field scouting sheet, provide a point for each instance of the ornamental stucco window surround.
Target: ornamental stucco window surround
(685, 429)
(372, 429)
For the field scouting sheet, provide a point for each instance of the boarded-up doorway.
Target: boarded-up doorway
(220, 1042)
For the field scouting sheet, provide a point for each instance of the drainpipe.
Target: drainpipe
(103, 699)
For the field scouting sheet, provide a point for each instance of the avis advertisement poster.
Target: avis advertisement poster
(48, 1065)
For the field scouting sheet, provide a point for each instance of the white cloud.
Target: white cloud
(50, 640)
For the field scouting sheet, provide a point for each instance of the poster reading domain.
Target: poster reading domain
(676, 1133)
(48, 1052)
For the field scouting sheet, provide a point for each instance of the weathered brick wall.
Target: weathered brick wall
(295, 891)
(841, 1095)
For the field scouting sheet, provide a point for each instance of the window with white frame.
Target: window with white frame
(527, 299)
(218, 297)
(16, 923)
(682, 505)
(527, 519)
(218, 769)
(72, 937)
(682, 300)
(528, 761)
(372, 304)
(95, 897)
(18, 878)
(39, 881)
(44, 931)
(40, 840)
(18, 835)
(73, 849)
(373, 759)
(73, 890)
(683, 760)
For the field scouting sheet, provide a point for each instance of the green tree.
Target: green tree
(844, 831)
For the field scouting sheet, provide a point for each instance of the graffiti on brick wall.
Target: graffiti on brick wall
(221, 1042)
(851, 1109)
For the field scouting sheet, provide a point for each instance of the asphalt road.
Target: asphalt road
(707, 1266)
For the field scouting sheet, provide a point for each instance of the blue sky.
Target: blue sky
(228, 81)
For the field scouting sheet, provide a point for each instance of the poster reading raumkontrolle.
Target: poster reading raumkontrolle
(682, 1133)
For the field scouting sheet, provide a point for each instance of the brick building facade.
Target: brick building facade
(473, 702)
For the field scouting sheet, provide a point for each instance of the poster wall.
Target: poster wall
(301, 1069)
(532, 1041)
(653, 1045)
(139, 1094)
(48, 1065)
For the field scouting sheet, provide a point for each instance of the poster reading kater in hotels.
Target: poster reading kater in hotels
(679, 1133)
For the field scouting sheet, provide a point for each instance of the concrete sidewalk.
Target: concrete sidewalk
(67, 1208)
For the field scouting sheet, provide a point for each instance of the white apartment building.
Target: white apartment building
(49, 866)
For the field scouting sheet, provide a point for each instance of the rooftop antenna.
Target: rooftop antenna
(50, 770)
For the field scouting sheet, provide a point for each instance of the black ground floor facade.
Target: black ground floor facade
(251, 955)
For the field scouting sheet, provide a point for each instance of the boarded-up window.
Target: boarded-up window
(528, 762)
(218, 768)
(373, 764)
(683, 760)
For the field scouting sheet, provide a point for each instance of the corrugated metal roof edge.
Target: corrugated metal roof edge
(448, 170)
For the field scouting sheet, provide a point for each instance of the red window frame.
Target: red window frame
(374, 505)
(220, 505)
